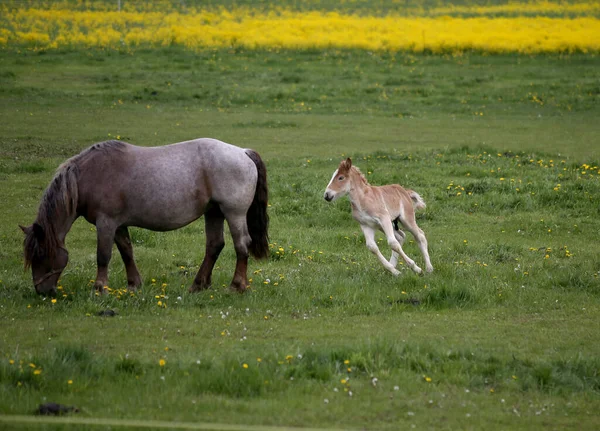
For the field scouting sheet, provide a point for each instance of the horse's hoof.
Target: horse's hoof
(429, 269)
(100, 289)
(197, 288)
(134, 285)
(237, 289)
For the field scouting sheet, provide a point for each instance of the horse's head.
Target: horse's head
(47, 260)
(340, 181)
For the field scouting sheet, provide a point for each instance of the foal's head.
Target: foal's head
(340, 181)
(46, 258)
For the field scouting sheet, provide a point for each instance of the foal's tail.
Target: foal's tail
(257, 218)
(418, 201)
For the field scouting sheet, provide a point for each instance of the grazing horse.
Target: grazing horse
(381, 208)
(114, 185)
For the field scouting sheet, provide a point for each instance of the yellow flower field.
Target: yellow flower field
(438, 33)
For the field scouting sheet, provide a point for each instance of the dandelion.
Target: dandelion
(162, 362)
(37, 372)
(427, 379)
(69, 382)
(53, 300)
(245, 365)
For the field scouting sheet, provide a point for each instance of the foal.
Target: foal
(378, 208)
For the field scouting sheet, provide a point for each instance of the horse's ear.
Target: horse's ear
(24, 229)
(349, 162)
(38, 231)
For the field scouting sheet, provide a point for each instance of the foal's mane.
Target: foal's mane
(361, 176)
(59, 202)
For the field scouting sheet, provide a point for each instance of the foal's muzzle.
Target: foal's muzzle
(328, 197)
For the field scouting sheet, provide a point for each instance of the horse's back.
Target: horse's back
(163, 187)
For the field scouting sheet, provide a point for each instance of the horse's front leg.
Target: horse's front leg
(125, 247)
(105, 232)
(213, 222)
(369, 234)
(241, 241)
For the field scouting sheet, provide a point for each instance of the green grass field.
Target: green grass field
(502, 335)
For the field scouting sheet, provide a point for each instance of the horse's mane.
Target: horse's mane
(361, 176)
(59, 202)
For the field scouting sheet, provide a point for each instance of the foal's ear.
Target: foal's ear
(349, 162)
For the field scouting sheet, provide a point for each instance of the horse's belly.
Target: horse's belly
(168, 217)
(365, 219)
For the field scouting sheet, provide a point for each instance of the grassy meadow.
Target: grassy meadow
(502, 335)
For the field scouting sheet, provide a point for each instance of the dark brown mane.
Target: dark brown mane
(59, 201)
(31, 246)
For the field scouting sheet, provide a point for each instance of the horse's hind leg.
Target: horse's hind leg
(241, 240)
(105, 232)
(213, 222)
(388, 230)
(410, 224)
(123, 242)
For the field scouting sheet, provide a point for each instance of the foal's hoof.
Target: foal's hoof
(429, 269)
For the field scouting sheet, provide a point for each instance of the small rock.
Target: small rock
(107, 313)
(55, 409)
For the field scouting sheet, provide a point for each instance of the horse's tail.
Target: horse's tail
(417, 200)
(257, 218)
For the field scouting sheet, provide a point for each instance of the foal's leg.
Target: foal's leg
(409, 222)
(213, 222)
(369, 234)
(400, 237)
(123, 242)
(241, 240)
(388, 230)
(105, 232)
